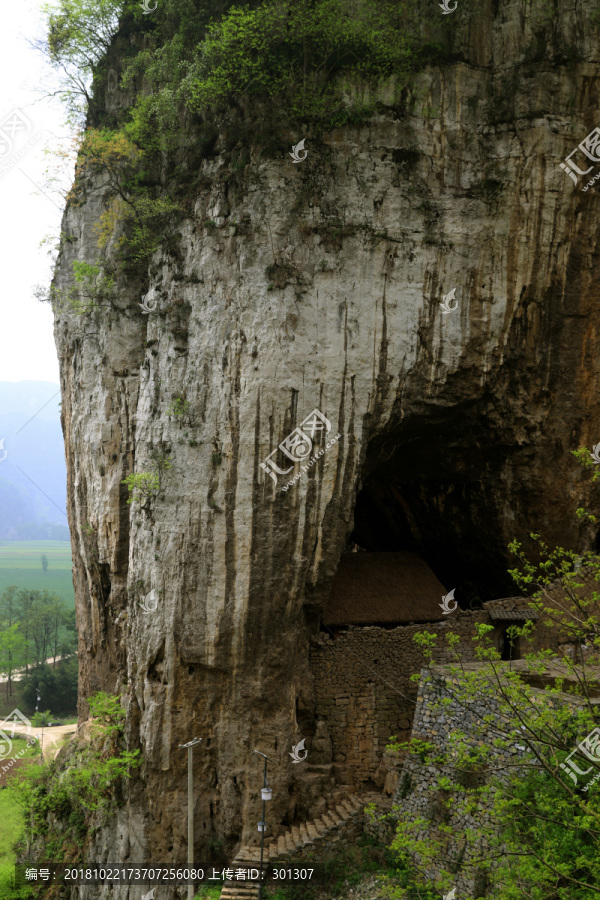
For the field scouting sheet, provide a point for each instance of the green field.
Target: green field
(20, 564)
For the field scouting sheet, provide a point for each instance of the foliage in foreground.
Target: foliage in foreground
(540, 823)
(340, 870)
(11, 816)
(82, 796)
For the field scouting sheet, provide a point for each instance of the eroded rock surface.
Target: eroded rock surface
(457, 427)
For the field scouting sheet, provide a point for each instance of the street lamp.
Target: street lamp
(266, 794)
(42, 739)
(190, 853)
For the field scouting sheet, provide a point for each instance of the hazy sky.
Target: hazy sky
(27, 350)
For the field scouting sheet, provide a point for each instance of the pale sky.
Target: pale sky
(27, 350)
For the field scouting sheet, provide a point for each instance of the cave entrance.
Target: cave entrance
(383, 590)
(429, 520)
(433, 487)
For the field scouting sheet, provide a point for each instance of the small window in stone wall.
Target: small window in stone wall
(473, 777)
(405, 785)
(438, 811)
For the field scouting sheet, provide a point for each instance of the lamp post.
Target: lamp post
(266, 794)
(190, 853)
(39, 697)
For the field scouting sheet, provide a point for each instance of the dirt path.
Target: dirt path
(19, 673)
(52, 735)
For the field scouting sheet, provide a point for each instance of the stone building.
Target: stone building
(365, 656)
(462, 830)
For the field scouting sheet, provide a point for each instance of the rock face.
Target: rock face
(318, 285)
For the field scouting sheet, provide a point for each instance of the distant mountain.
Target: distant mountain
(33, 475)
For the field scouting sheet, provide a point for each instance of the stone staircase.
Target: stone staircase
(293, 841)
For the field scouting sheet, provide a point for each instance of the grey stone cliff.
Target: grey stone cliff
(468, 418)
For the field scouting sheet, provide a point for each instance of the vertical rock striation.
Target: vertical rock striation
(318, 285)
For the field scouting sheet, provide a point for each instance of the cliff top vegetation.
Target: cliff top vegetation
(189, 56)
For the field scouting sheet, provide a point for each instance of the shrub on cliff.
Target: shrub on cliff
(294, 60)
(196, 55)
(293, 51)
(65, 800)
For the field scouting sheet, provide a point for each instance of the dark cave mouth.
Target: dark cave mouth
(428, 520)
(423, 494)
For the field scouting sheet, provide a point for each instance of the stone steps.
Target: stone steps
(292, 841)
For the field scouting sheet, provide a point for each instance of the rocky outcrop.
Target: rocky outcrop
(295, 287)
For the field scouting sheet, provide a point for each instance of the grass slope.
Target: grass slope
(11, 817)
(20, 564)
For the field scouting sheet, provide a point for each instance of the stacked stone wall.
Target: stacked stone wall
(418, 798)
(364, 692)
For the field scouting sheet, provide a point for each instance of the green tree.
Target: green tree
(9, 612)
(58, 687)
(12, 649)
(44, 563)
(42, 617)
(25, 604)
(79, 35)
(542, 826)
(12, 653)
(42, 719)
(69, 636)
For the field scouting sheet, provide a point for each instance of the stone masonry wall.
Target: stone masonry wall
(364, 692)
(418, 798)
(365, 695)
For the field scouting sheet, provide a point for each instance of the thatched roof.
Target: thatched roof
(383, 588)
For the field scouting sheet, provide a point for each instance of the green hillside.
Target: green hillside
(21, 564)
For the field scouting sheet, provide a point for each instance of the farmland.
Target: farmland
(21, 565)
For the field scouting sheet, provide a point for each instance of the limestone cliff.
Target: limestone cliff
(293, 287)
